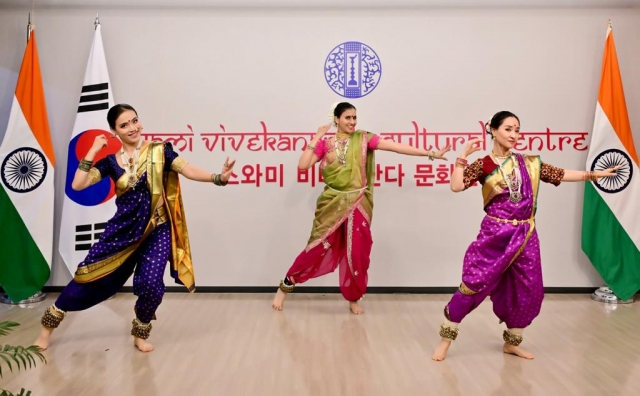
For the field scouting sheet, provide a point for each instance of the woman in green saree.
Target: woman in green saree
(341, 235)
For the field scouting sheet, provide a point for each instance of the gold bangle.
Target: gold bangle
(84, 167)
(310, 147)
(216, 179)
(219, 180)
(431, 155)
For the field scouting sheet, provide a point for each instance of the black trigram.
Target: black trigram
(95, 96)
(87, 235)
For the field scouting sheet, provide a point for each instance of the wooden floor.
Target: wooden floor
(234, 344)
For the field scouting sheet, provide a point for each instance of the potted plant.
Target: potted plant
(19, 356)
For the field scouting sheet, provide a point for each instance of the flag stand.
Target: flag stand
(607, 296)
(36, 298)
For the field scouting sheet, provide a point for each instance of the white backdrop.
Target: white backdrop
(442, 69)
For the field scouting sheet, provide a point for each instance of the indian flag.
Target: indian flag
(26, 197)
(610, 218)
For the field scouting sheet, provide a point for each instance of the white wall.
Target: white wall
(445, 69)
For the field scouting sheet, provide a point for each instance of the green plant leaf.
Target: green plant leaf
(8, 354)
(6, 327)
(21, 357)
(29, 358)
(36, 351)
(3, 357)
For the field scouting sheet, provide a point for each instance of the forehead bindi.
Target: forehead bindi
(126, 117)
(511, 125)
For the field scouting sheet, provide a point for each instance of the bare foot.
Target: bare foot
(441, 350)
(514, 350)
(355, 308)
(43, 339)
(278, 300)
(142, 345)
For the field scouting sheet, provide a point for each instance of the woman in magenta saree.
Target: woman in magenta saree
(341, 235)
(504, 261)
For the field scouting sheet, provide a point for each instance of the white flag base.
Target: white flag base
(606, 295)
(36, 298)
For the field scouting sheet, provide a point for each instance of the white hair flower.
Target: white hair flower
(487, 126)
(331, 113)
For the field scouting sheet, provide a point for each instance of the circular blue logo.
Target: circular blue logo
(24, 170)
(102, 191)
(352, 69)
(608, 159)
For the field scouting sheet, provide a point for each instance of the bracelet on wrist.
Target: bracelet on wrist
(216, 179)
(85, 165)
(431, 155)
(589, 176)
(461, 163)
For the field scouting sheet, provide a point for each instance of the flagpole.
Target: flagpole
(604, 294)
(96, 23)
(39, 296)
(29, 28)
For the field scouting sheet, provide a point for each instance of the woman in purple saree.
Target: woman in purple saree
(148, 229)
(504, 261)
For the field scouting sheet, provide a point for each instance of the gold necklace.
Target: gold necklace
(341, 147)
(341, 136)
(513, 180)
(503, 157)
(131, 164)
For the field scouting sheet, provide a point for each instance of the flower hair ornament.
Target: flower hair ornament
(331, 114)
(487, 127)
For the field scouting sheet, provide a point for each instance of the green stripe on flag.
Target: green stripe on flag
(608, 246)
(23, 269)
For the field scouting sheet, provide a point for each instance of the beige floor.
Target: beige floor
(234, 344)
